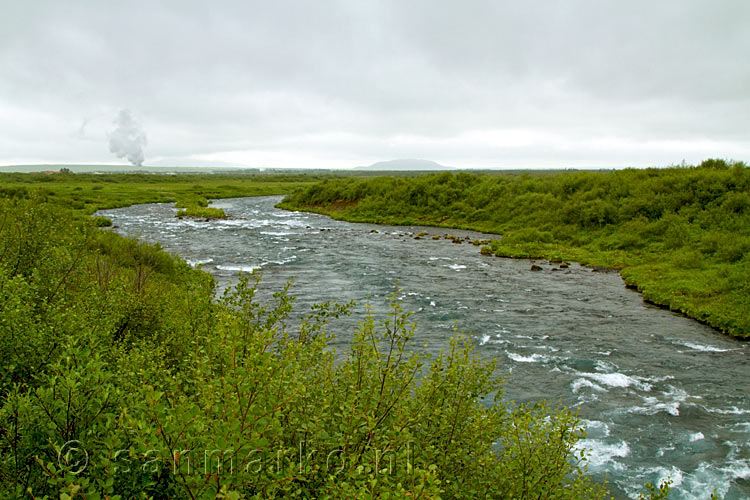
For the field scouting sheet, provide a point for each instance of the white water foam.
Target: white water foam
(198, 262)
(654, 406)
(456, 267)
(277, 233)
(244, 269)
(617, 380)
(600, 453)
(731, 411)
(281, 262)
(697, 436)
(230, 222)
(545, 347)
(703, 481)
(703, 348)
(605, 366)
(740, 469)
(581, 383)
(534, 358)
(191, 223)
(486, 339)
(260, 223)
(662, 474)
(595, 429)
(291, 223)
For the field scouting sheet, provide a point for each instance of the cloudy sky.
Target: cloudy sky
(334, 84)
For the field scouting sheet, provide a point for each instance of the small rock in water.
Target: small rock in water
(534, 267)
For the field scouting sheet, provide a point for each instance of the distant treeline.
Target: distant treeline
(680, 235)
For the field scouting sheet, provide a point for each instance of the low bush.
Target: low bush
(199, 212)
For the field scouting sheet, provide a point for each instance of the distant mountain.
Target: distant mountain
(405, 164)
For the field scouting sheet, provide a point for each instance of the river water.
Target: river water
(661, 395)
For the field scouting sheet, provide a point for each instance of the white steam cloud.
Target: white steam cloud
(127, 140)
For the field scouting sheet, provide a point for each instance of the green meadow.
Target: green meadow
(87, 193)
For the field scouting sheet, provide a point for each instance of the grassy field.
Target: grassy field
(681, 236)
(86, 193)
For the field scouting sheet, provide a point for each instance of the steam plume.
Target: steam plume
(127, 139)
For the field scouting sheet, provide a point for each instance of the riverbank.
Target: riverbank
(680, 236)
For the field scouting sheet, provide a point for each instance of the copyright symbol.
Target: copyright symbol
(73, 457)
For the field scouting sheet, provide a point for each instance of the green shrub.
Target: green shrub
(199, 212)
(733, 250)
(102, 221)
(710, 242)
(261, 410)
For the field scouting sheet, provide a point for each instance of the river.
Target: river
(661, 395)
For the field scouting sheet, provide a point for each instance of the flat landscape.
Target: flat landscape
(114, 328)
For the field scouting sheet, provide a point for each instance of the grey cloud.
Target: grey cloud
(235, 76)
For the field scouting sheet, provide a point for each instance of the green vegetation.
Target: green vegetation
(681, 236)
(121, 376)
(197, 206)
(87, 193)
(201, 212)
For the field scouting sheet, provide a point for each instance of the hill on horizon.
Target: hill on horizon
(406, 164)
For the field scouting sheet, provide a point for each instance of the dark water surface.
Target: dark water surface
(660, 394)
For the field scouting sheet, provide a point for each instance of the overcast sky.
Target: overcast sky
(333, 84)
